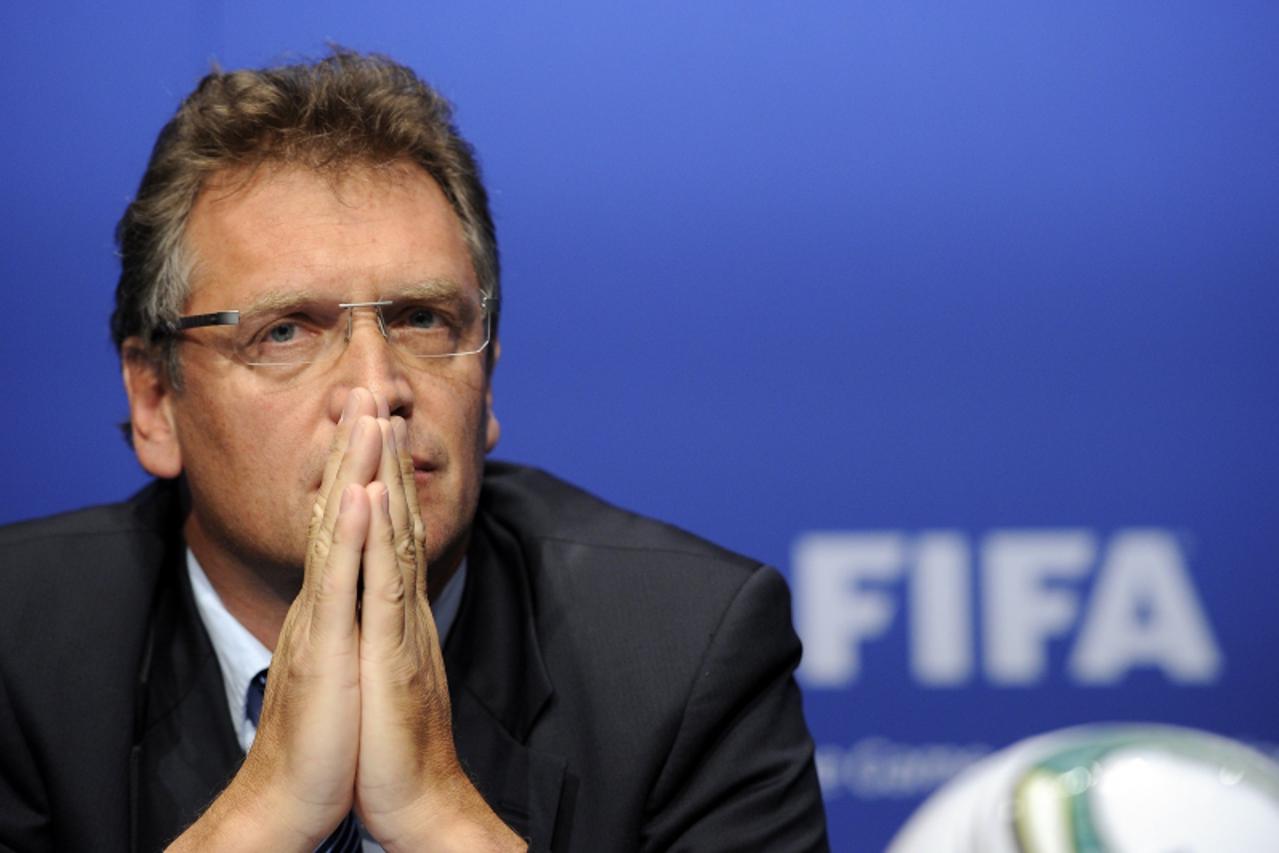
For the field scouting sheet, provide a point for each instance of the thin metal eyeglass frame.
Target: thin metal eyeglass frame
(488, 305)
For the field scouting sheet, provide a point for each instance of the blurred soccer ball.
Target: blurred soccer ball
(1105, 789)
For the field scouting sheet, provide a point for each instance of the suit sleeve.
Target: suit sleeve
(740, 775)
(24, 823)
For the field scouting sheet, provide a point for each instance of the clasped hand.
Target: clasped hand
(356, 713)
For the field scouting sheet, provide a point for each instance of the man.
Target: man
(461, 656)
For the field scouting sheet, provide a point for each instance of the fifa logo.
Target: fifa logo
(998, 601)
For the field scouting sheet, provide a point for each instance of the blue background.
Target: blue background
(779, 267)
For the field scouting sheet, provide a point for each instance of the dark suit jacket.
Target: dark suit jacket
(617, 684)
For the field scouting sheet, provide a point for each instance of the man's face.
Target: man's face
(252, 444)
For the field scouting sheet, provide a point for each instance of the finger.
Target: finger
(401, 524)
(359, 402)
(408, 481)
(357, 467)
(332, 623)
(382, 603)
(383, 407)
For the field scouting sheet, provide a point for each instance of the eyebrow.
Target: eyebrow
(280, 300)
(431, 288)
(284, 300)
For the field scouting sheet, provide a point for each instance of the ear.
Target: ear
(492, 429)
(155, 439)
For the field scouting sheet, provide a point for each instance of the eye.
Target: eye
(279, 338)
(282, 333)
(421, 318)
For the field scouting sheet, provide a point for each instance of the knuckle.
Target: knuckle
(298, 670)
(317, 516)
(405, 547)
(319, 550)
(393, 591)
(327, 588)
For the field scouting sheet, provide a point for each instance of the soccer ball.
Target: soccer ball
(1105, 789)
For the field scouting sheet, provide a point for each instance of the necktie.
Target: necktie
(344, 839)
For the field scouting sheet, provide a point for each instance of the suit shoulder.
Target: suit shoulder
(542, 508)
(73, 560)
(153, 512)
(104, 520)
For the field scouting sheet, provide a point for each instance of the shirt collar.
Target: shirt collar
(241, 656)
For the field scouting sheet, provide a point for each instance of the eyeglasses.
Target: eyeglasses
(298, 331)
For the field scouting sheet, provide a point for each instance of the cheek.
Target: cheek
(454, 407)
(254, 438)
(254, 431)
(451, 416)
(290, 439)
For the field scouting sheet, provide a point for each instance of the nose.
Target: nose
(369, 361)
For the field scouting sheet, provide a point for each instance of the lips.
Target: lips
(424, 470)
(422, 464)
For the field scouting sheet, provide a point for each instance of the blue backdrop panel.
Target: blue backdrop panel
(961, 314)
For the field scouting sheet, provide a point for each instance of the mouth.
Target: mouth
(424, 471)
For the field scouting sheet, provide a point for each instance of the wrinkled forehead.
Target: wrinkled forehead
(278, 232)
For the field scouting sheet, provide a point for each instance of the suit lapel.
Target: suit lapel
(499, 686)
(187, 751)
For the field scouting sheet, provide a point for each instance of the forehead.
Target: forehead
(352, 235)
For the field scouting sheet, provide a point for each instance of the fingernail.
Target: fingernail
(386, 501)
(348, 409)
(401, 431)
(346, 500)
